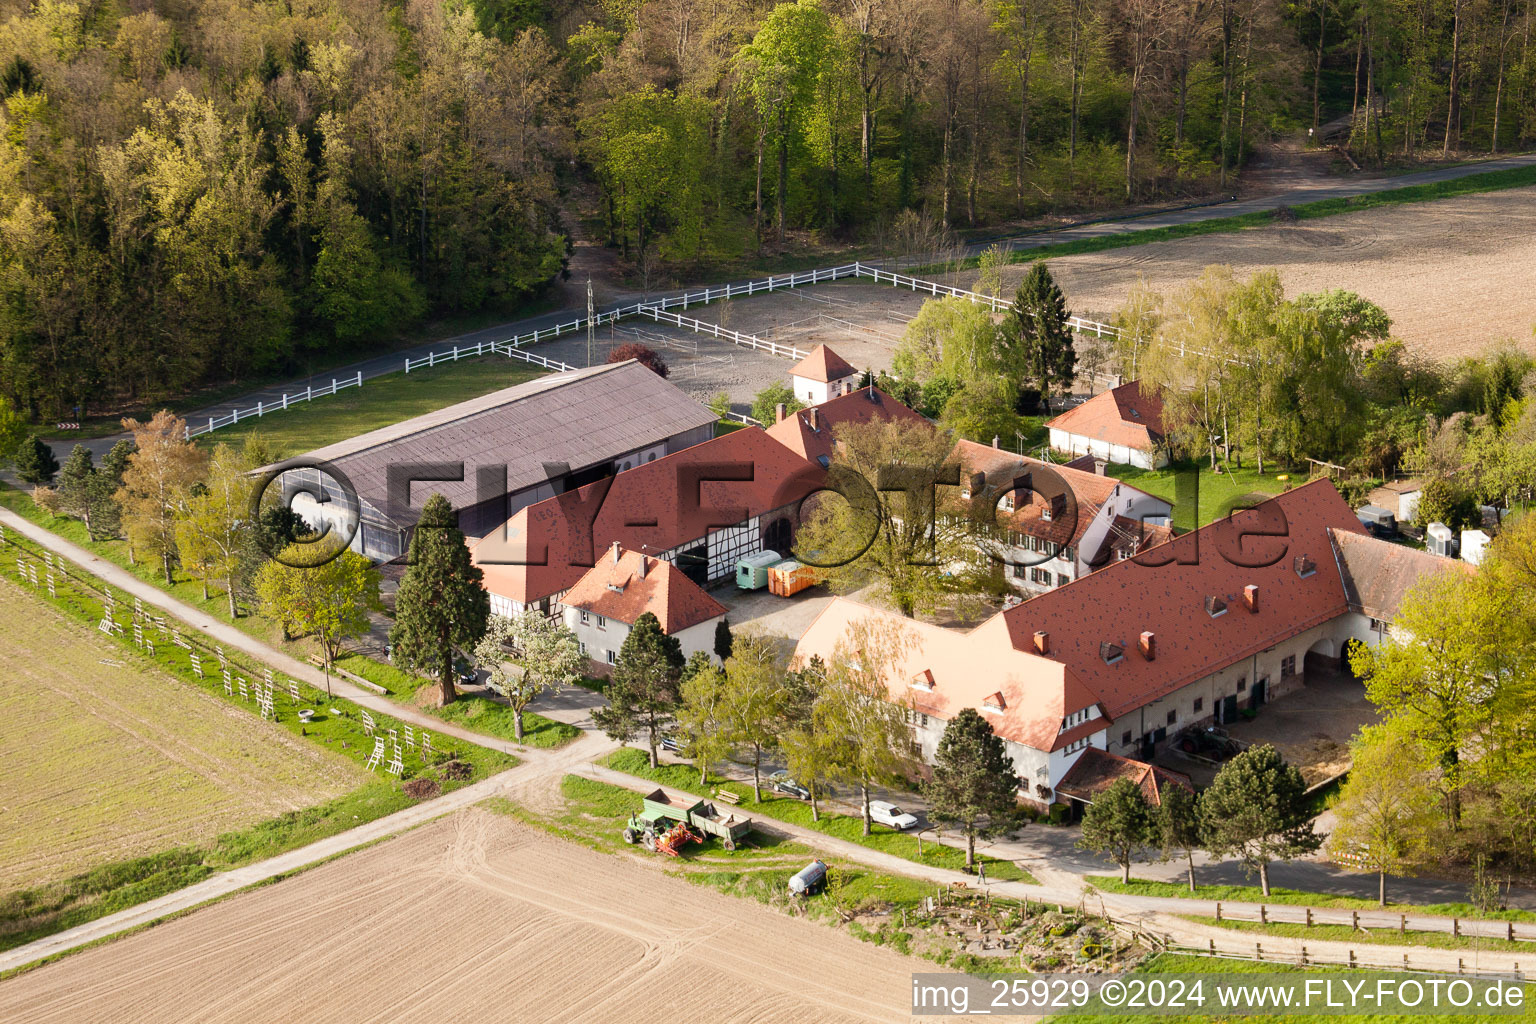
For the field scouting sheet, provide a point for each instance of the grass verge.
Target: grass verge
(380, 402)
(1218, 493)
(1293, 897)
(797, 812)
(471, 711)
(1370, 936)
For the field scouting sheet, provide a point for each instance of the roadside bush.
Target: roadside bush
(1060, 814)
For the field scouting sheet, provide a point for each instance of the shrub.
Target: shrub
(644, 354)
(1060, 814)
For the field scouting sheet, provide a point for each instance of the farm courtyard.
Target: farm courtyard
(103, 759)
(475, 917)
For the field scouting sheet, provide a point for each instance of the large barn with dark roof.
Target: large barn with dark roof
(518, 445)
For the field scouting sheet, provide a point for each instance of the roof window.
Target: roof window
(1215, 606)
(1111, 653)
(1304, 566)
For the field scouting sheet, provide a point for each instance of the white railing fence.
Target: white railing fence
(261, 408)
(661, 311)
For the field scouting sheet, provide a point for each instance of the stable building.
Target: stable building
(603, 606)
(1227, 617)
(493, 455)
(821, 376)
(809, 433)
(700, 509)
(1123, 425)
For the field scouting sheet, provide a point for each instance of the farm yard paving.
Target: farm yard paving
(473, 918)
(102, 760)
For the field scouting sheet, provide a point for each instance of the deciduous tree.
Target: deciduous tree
(1385, 813)
(157, 484)
(328, 599)
(548, 657)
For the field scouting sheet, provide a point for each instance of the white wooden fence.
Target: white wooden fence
(261, 408)
(661, 311)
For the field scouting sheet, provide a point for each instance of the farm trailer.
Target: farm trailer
(656, 824)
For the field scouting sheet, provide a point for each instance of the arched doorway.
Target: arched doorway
(1322, 659)
(776, 536)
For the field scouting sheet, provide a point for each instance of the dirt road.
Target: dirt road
(474, 918)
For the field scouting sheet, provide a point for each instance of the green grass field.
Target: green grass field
(1173, 963)
(1218, 493)
(798, 812)
(1292, 897)
(378, 403)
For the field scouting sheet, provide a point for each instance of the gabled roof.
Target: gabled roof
(1125, 415)
(1096, 770)
(1378, 574)
(1164, 591)
(1131, 536)
(823, 365)
(615, 589)
(809, 432)
(548, 546)
(1088, 491)
(946, 670)
(582, 418)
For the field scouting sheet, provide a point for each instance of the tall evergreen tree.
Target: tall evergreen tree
(643, 689)
(35, 462)
(1257, 810)
(1120, 823)
(1038, 334)
(441, 603)
(974, 786)
(723, 639)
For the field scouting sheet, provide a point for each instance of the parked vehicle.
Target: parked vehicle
(781, 782)
(668, 741)
(664, 825)
(809, 880)
(887, 813)
(1377, 520)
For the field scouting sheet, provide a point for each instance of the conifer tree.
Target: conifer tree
(974, 786)
(35, 462)
(1037, 332)
(643, 690)
(441, 603)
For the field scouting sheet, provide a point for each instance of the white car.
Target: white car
(889, 814)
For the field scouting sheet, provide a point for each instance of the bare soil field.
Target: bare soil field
(102, 759)
(472, 918)
(1456, 275)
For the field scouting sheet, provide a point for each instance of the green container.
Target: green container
(752, 570)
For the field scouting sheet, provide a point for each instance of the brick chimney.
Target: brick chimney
(615, 552)
(778, 413)
(1148, 645)
(813, 419)
(1098, 467)
(1251, 597)
(997, 442)
(1042, 642)
(643, 560)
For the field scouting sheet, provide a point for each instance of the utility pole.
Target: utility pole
(590, 327)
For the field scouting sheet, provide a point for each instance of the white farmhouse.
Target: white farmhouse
(604, 605)
(822, 375)
(1123, 424)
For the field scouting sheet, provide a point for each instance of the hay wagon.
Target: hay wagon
(665, 825)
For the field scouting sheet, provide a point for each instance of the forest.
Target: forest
(195, 194)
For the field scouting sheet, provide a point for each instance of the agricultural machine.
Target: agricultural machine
(665, 826)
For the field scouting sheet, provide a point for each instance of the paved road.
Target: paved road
(393, 362)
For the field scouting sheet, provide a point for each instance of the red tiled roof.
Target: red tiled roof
(655, 506)
(965, 670)
(1125, 415)
(824, 365)
(1088, 491)
(616, 590)
(797, 433)
(1157, 592)
(1096, 770)
(1378, 573)
(1133, 536)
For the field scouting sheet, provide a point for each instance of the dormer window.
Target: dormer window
(1111, 653)
(994, 703)
(923, 681)
(825, 461)
(1008, 501)
(1304, 566)
(1046, 512)
(1215, 606)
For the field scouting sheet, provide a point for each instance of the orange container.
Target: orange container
(790, 577)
